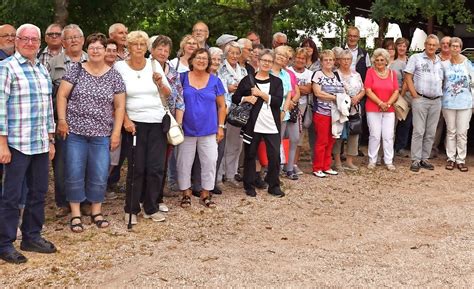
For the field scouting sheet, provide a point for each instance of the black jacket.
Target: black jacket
(276, 93)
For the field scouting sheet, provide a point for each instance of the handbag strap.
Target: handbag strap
(163, 99)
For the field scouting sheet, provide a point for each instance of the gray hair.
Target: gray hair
(380, 52)
(243, 41)
(432, 36)
(28, 25)
(71, 27)
(53, 25)
(266, 51)
(455, 40)
(232, 44)
(280, 34)
(337, 51)
(215, 50)
(345, 52)
(114, 27)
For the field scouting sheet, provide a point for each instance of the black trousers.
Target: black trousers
(272, 142)
(146, 171)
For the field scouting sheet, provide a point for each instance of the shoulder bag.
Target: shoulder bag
(174, 132)
(240, 114)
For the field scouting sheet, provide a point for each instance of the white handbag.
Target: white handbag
(175, 134)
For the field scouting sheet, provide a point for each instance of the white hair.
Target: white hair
(114, 27)
(215, 50)
(28, 25)
(53, 25)
(71, 27)
(234, 45)
(243, 41)
(279, 34)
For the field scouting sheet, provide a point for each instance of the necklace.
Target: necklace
(383, 74)
(138, 69)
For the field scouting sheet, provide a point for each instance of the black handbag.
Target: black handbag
(355, 123)
(240, 114)
(294, 114)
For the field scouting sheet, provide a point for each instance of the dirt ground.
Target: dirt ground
(365, 229)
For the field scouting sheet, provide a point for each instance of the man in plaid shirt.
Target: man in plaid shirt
(26, 145)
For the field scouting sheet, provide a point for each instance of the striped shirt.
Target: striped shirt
(427, 74)
(26, 109)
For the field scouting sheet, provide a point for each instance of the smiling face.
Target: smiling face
(110, 53)
(190, 46)
(431, 45)
(402, 49)
(265, 63)
(28, 43)
(200, 62)
(96, 51)
(455, 48)
(200, 32)
(380, 63)
(72, 41)
(53, 37)
(233, 55)
(445, 47)
(7, 38)
(216, 59)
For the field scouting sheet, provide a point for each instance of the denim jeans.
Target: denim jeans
(58, 168)
(33, 168)
(87, 164)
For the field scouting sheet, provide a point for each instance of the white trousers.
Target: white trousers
(457, 124)
(381, 127)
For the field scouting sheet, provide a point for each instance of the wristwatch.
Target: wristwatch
(52, 141)
(222, 126)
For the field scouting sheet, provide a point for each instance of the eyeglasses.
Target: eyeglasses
(379, 60)
(234, 53)
(11, 35)
(353, 36)
(201, 58)
(267, 61)
(200, 30)
(138, 44)
(328, 60)
(33, 40)
(110, 50)
(71, 38)
(95, 48)
(191, 43)
(53, 34)
(282, 55)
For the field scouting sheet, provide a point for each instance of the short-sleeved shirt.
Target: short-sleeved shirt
(352, 84)
(329, 85)
(427, 75)
(200, 116)
(382, 87)
(303, 78)
(91, 102)
(285, 78)
(456, 89)
(230, 76)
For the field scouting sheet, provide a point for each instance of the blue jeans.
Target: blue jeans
(33, 168)
(87, 164)
(58, 168)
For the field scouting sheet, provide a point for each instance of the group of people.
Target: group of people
(89, 103)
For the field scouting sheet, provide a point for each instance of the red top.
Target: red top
(383, 88)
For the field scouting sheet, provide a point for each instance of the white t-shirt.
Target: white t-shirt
(265, 122)
(143, 102)
(181, 68)
(303, 78)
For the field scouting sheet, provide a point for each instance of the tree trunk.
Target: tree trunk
(383, 27)
(263, 22)
(429, 25)
(61, 12)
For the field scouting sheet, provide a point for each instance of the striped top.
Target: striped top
(26, 109)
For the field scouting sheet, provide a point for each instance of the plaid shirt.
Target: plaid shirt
(45, 56)
(26, 109)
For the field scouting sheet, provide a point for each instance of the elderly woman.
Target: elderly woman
(187, 46)
(312, 54)
(381, 85)
(216, 59)
(111, 52)
(203, 125)
(325, 87)
(160, 51)
(456, 105)
(354, 87)
(231, 73)
(143, 119)
(91, 106)
(263, 124)
(402, 132)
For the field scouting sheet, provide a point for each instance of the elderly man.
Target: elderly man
(72, 40)
(7, 40)
(118, 32)
(424, 77)
(279, 39)
(26, 145)
(53, 43)
(245, 55)
(201, 33)
(254, 37)
(445, 54)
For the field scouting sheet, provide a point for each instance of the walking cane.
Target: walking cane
(132, 159)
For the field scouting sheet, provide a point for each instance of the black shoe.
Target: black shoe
(196, 193)
(259, 182)
(13, 257)
(40, 246)
(217, 190)
(360, 153)
(238, 177)
(277, 192)
(251, 192)
(426, 165)
(415, 166)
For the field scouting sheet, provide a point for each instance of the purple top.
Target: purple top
(91, 102)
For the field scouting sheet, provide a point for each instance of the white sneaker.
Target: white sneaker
(233, 183)
(134, 218)
(391, 167)
(331, 172)
(371, 166)
(162, 207)
(157, 217)
(319, 174)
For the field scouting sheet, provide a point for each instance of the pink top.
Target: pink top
(383, 88)
(294, 82)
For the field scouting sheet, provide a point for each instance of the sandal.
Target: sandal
(450, 165)
(207, 202)
(462, 168)
(186, 201)
(101, 224)
(78, 227)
